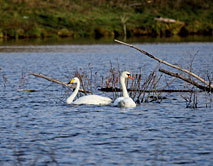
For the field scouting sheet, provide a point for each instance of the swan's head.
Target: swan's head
(74, 80)
(126, 74)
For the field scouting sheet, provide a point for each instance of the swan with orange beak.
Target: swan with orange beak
(125, 100)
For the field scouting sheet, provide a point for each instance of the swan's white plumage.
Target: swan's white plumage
(89, 99)
(124, 101)
(93, 99)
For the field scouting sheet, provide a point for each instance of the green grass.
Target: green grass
(102, 18)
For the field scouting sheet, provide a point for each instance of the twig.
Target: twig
(166, 63)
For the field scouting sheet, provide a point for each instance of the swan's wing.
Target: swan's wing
(124, 102)
(128, 102)
(93, 100)
(117, 102)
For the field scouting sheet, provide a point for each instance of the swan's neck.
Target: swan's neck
(123, 85)
(72, 96)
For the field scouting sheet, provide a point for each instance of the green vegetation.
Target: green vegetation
(103, 18)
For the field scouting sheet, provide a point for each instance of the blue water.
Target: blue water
(39, 128)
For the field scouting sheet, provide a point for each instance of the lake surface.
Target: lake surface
(39, 128)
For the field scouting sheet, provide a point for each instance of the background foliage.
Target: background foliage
(103, 18)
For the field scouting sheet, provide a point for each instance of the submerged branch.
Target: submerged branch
(111, 89)
(26, 90)
(166, 63)
(55, 81)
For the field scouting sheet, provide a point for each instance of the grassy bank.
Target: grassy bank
(103, 18)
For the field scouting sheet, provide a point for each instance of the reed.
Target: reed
(3, 78)
(141, 89)
(152, 88)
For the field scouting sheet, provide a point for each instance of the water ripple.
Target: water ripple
(39, 128)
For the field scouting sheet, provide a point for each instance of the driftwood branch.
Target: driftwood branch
(168, 20)
(177, 75)
(55, 81)
(166, 63)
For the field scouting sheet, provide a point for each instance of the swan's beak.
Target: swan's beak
(71, 82)
(130, 77)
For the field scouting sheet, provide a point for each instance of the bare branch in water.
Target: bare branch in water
(27, 90)
(186, 79)
(166, 63)
(56, 81)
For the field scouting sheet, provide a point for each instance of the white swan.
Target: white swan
(124, 101)
(89, 99)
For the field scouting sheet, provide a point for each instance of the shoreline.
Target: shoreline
(105, 19)
(67, 40)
